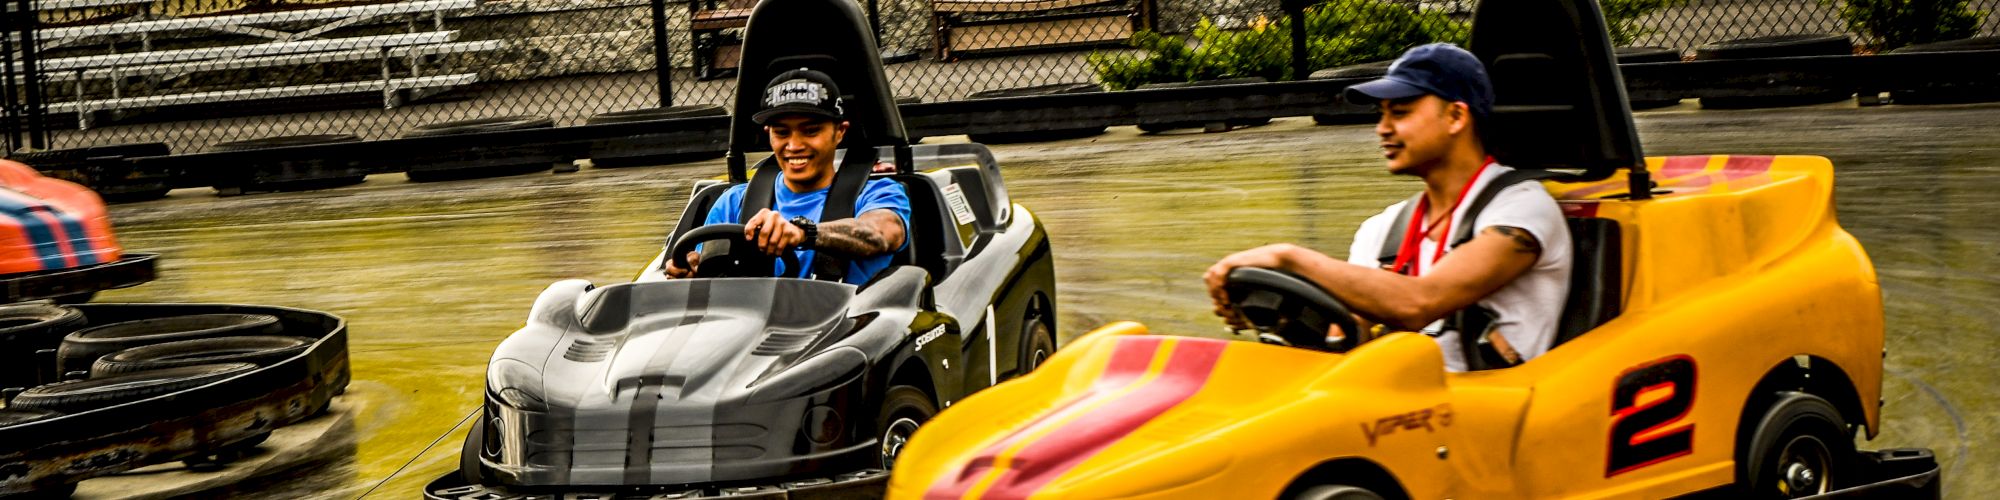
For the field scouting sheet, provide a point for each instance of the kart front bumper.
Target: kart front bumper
(858, 485)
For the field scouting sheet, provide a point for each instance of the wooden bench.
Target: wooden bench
(984, 27)
(706, 20)
(279, 48)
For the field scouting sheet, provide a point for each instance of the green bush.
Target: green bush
(1895, 23)
(1621, 17)
(1338, 32)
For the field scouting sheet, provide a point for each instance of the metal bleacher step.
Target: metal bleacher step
(267, 93)
(43, 5)
(247, 50)
(188, 23)
(277, 60)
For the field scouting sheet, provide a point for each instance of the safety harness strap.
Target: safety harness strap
(848, 179)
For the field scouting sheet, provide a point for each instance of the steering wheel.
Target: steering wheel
(1286, 309)
(729, 254)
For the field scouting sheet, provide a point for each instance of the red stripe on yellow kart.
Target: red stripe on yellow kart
(1050, 447)
(1131, 359)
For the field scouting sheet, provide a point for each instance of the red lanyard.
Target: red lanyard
(1414, 236)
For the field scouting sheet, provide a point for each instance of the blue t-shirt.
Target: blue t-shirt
(877, 194)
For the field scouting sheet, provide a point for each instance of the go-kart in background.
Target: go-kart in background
(432, 276)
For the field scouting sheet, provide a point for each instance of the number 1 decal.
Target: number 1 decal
(1639, 431)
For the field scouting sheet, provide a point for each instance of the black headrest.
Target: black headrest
(1559, 101)
(831, 36)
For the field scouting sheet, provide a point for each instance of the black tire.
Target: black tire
(1038, 342)
(84, 395)
(477, 125)
(1949, 95)
(650, 114)
(11, 416)
(79, 350)
(904, 408)
(1805, 92)
(1337, 492)
(501, 160)
(102, 169)
(1642, 55)
(216, 458)
(620, 157)
(1037, 135)
(257, 350)
(1163, 126)
(1800, 432)
(58, 158)
(300, 184)
(1775, 46)
(469, 467)
(27, 328)
(1350, 113)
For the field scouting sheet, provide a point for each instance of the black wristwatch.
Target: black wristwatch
(812, 231)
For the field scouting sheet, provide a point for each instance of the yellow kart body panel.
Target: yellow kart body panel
(1734, 269)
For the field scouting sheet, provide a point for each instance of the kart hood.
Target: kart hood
(1120, 415)
(695, 342)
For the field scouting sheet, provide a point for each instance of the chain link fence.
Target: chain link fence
(197, 73)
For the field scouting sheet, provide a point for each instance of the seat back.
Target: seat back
(934, 239)
(1596, 280)
(705, 193)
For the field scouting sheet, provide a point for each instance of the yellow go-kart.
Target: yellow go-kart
(1723, 335)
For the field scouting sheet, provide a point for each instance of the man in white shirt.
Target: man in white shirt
(1512, 267)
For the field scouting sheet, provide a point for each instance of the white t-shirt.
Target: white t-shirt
(1529, 307)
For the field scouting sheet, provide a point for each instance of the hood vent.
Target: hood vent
(587, 350)
(782, 343)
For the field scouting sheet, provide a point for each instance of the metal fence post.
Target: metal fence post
(1296, 10)
(663, 61)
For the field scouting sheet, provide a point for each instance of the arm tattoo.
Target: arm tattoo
(1524, 242)
(852, 238)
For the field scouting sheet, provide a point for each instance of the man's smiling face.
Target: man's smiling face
(804, 146)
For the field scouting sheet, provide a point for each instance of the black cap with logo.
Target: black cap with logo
(801, 91)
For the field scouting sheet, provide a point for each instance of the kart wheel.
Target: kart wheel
(12, 416)
(904, 408)
(1799, 449)
(1037, 344)
(84, 395)
(256, 350)
(82, 348)
(1337, 492)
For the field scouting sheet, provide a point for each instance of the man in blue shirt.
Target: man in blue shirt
(802, 113)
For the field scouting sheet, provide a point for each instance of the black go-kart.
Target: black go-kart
(735, 383)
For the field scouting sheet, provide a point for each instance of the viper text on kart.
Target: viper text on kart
(735, 382)
(1723, 334)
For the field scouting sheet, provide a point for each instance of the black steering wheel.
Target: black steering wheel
(729, 255)
(1286, 309)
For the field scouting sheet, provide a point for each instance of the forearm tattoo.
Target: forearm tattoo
(851, 238)
(1524, 242)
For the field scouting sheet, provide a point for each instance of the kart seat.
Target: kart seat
(1596, 288)
(934, 243)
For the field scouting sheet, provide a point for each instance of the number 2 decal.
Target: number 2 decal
(1639, 434)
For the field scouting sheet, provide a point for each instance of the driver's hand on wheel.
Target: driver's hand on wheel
(675, 272)
(772, 233)
(1267, 256)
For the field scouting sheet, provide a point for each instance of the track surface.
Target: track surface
(432, 276)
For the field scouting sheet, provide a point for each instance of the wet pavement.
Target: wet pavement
(432, 276)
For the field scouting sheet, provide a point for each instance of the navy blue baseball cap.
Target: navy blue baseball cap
(1439, 69)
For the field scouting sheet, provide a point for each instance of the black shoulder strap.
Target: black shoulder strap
(1464, 232)
(759, 196)
(848, 182)
(1392, 246)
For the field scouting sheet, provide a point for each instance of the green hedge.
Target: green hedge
(1895, 23)
(1338, 32)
